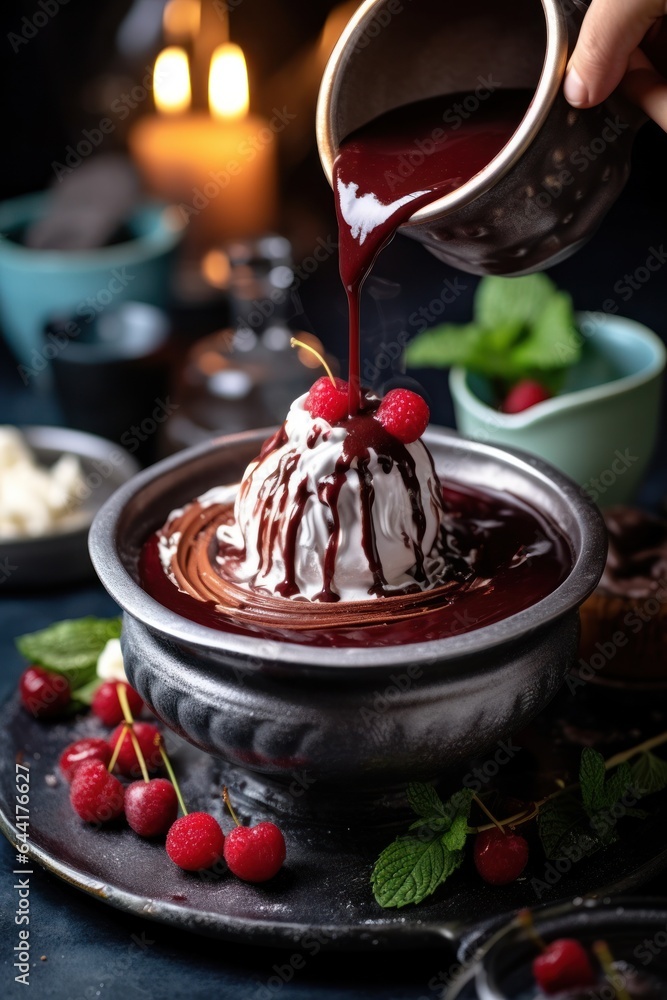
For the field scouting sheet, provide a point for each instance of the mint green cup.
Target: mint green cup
(601, 429)
(36, 285)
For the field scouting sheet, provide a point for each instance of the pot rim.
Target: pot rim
(580, 582)
(548, 86)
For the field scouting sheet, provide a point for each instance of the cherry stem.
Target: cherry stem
(170, 772)
(527, 814)
(487, 812)
(525, 919)
(228, 803)
(299, 343)
(116, 749)
(129, 728)
(606, 959)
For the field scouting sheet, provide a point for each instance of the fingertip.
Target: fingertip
(575, 90)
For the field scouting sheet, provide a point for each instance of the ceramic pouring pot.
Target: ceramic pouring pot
(338, 730)
(548, 189)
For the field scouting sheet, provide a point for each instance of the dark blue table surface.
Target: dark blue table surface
(92, 950)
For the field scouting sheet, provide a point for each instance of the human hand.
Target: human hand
(608, 54)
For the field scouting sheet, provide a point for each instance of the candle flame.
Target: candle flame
(228, 95)
(172, 81)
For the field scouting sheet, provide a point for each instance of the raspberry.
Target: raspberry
(106, 705)
(255, 853)
(90, 748)
(327, 402)
(524, 395)
(95, 794)
(127, 762)
(44, 693)
(564, 965)
(195, 841)
(404, 414)
(500, 857)
(151, 806)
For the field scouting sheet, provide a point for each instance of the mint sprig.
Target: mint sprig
(522, 328)
(414, 866)
(71, 647)
(573, 822)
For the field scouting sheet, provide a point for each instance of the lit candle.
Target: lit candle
(219, 168)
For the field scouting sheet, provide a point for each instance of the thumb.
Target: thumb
(611, 30)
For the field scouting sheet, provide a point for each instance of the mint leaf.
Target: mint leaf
(425, 800)
(444, 346)
(512, 300)
(564, 829)
(617, 784)
(553, 341)
(411, 869)
(70, 647)
(454, 839)
(649, 774)
(592, 776)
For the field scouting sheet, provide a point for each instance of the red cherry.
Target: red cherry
(195, 841)
(564, 965)
(404, 414)
(151, 806)
(127, 762)
(90, 748)
(44, 693)
(106, 705)
(95, 794)
(499, 856)
(523, 395)
(255, 853)
(327, 402)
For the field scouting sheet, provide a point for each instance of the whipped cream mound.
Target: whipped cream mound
(35, 500)
(323, 515)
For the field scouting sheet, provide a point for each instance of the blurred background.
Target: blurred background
(242, 261)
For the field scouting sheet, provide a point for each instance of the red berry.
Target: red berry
(524, 395)
(127, 762)
(404, 414)
(95, 794)
(90, 748)
(563, 966)
(255, 853)
(44, 693)
(500, 857)
(328, 402)
(151, 806)
(106, 705)
(195, 841)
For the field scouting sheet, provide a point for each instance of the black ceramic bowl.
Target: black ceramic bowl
(289, 718)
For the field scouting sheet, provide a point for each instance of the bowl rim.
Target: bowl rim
(163, 236)
(573, 590)
(544, 95)
(577, 399)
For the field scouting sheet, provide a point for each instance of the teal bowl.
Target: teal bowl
(36, 285)
(601, 429)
